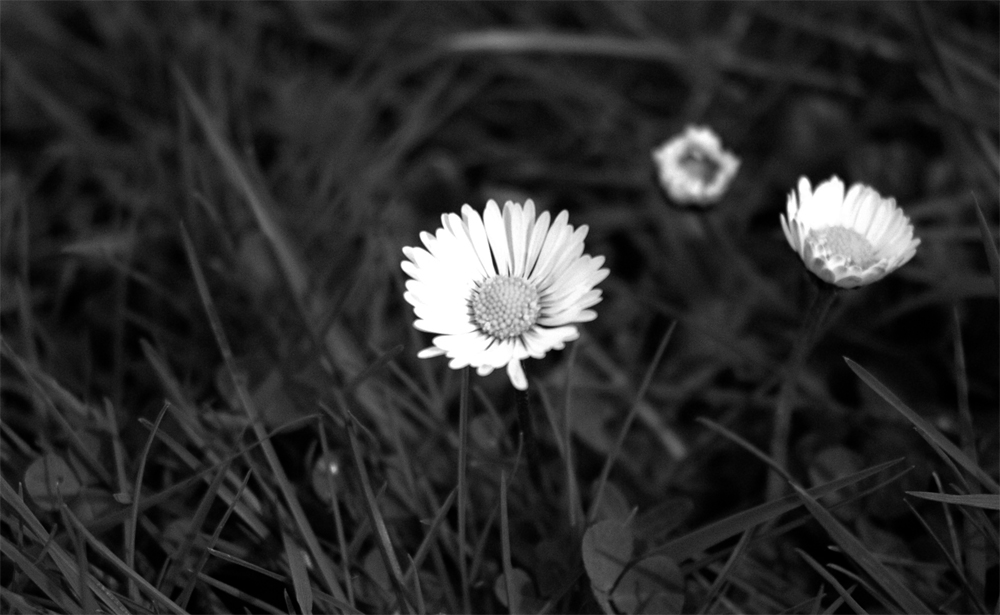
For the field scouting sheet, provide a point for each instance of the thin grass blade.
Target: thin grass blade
(845, 594)
(710, 535)
(287, 490)
(989, 246)
(49, 586)
(428, 540)
(375, 516)
(885, 578)
(508, 568)
(988, 501)
(300, 576)
(112, 559)
(640, 394)
(928, 431)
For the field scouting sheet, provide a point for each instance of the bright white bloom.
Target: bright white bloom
(849, 240)
(693, 168)
(501, 288)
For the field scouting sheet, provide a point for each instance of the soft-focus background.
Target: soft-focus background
(301, 145)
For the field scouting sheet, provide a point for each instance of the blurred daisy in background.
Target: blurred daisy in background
(693, 169)
(503, 287)
(847, 240)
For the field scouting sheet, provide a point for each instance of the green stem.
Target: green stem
(786, 395)
(528, 437)
(463, 450)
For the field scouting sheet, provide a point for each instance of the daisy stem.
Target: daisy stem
(804, 343)
(528, 436)
(463, 449)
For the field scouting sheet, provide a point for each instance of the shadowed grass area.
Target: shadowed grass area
(211, 400)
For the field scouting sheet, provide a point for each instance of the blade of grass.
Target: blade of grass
(966, 429)
(989, 245)
(133, 593)
(505, 41)
(291, 268)
(377, 522)
(338, 522)
(832, 580)
(875, 592)
(885, 578)
(941, 444)
(112, 559)
(19, 604)
(188, 590)
(835, 606)
(620, 441)
(284, 485)
(299, 574)
(769, 536)
(712, 534)
(953, 561)
(195, 524)
(851, 545)
(430, 537)
(418, 593)
(380, 361)
(508, 569)
(49, 391)
(49, 586)
(62, 560)
(83, 581)
(949, 521)
(979, 500)
(720, 579)
(237, 593)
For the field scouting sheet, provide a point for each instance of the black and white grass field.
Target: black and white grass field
(212, 399)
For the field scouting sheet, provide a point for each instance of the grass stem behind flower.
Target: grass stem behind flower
(816, 314)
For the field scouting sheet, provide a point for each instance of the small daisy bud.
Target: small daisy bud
(693, 169)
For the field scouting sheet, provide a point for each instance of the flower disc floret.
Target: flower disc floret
(504, 306)
(847, 240)
(501, 287)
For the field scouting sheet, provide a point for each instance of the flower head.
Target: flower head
(693, 168)
(847, 240)
(503, 287)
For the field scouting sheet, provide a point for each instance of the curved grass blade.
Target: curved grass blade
(885, 578)
(832, 580)
(377, 522)
(640, 394)
(928, 431)
(712, 534)
(989, 246)
(113, 559)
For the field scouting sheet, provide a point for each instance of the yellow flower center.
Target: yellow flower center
(504, 306)
(699, 164)
(847, 243)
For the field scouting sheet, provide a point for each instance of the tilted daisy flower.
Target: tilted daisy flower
(693, 168)
(503, 287)
(847, 240)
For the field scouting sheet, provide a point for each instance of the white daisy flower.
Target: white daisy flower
(500, 288)
(693, 168)
(851, 240)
